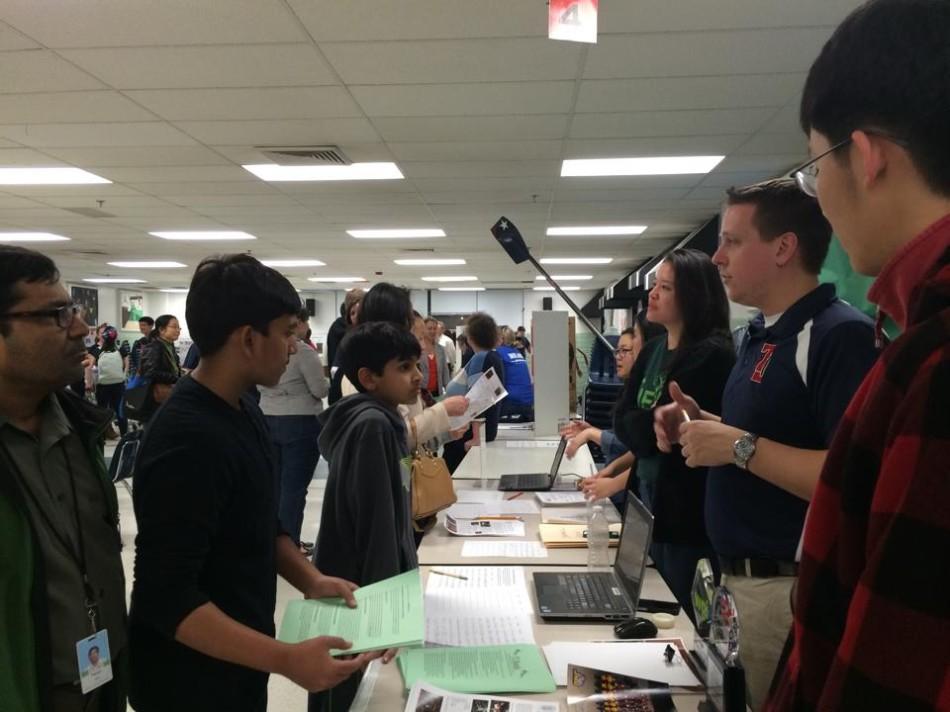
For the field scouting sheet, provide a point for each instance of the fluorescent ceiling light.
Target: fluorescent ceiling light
(450, 279)
(430, 263)
(551, 289)
(567, 277)
(461, 289)
(31, 237)
(149, 265)
(174, 290)
(376, 234)
(646, 166)
(62, 175)
(293, 263)
(597, 230)
(203, 235)
(113, 280)
(355, 171)
(336, 280)
(577, 260)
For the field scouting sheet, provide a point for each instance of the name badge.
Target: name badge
(95, 661)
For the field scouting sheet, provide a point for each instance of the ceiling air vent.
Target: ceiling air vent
(90, 212)
(305, 155)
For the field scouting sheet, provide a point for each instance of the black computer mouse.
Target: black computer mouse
(635, 629)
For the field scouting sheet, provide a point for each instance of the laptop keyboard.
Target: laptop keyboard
(526, 481)
(590, 592)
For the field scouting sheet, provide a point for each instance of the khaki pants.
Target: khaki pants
(765, 617)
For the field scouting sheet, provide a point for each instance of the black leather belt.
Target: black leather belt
(757, 568)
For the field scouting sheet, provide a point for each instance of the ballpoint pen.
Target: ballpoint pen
(446, 573)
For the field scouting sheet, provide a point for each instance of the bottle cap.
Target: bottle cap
(663, 620)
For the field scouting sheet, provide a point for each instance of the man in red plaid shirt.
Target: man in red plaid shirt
(872, 607)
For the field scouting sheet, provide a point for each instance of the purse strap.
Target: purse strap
(415, 436)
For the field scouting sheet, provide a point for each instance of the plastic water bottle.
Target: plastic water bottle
(598, 538)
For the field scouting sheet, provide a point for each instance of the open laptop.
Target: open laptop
(534, 482)
(602, 595)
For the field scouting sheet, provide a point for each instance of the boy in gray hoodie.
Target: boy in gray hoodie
(366, 524)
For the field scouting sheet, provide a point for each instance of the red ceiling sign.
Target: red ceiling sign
(573, 20)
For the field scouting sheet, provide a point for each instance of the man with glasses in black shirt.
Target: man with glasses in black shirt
(61, 578)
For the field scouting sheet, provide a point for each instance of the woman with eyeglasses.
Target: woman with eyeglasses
(618, 457)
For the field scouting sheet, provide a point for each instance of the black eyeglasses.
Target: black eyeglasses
(64, 315)
(806, 175)
(620, 353)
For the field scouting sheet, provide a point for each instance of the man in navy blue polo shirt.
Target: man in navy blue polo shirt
(799, 364)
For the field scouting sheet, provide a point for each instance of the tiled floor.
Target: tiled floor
(283, 695)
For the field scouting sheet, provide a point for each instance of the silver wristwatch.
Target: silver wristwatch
(743, 449)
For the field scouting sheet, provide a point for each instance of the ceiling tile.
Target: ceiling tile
(541, 97)
(254, 103)
(705, 53)
(138, 156)
(669, 123)
(310, 132)
(420, 19)
(103, 134)
(476, 151)
(479, 169)
(163, 174)
(765, 143)
(25, 157)
(224, 66)
(41, 70)
(653, 146)
(69, 107)
(678, 15)
(105, 23)
(463, 61)
(475, 128)
(672, 93)
(10, 39)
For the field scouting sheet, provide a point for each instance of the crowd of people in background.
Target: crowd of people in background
(806, 460)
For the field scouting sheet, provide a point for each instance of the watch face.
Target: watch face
(744, 448)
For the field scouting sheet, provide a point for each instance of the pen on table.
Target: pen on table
(446, 573)
(514, 496)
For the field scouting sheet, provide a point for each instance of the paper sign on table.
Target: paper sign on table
(504, 549)
(559, 498)
(473, 510)
(575, 515)
(428, 698)
(498, 668)
(552, 444)
(479, 496)
(463, 629)
(639, 658)
(484, 527)
(388, 614)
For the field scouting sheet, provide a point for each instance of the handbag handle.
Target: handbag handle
(415, 435)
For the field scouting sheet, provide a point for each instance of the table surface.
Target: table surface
(439, 548)
(505, 457)
(383, 688)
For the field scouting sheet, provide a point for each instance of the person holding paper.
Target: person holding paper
(366, 530)
(209, 545)
(482, 335)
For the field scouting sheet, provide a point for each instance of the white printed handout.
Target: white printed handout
(473, 510)
(559, 498)
(551, 444)
(504, 549)
(424, 697)
(484, 527)
(483, 394)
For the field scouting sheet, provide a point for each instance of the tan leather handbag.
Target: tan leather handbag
(431, 490)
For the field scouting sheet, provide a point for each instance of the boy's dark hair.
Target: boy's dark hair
(885, 69)
(147, 320)
(303, 315)
(18, 264)
(231, 291)
(387, 302)
(372, 345)
(780, 207)
(482, 330)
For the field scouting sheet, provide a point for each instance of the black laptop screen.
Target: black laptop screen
(558, 456)
(634, 547)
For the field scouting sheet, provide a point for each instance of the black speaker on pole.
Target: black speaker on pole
(311, 307)
(547, 303)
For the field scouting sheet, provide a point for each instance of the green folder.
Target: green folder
(388, 614)
(478, 670)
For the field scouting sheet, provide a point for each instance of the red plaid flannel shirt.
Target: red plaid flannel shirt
(872, 608)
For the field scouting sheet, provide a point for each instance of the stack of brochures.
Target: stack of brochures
(572, 536)
(388, 614)
(495, 668)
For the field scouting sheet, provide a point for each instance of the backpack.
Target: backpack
(110, 368)
(122, 465)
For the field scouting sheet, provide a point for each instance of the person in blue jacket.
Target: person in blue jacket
(519, 405)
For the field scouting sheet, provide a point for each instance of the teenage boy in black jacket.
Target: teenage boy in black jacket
(366, 525)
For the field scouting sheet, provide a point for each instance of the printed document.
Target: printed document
(496, 668)
(427, 698)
